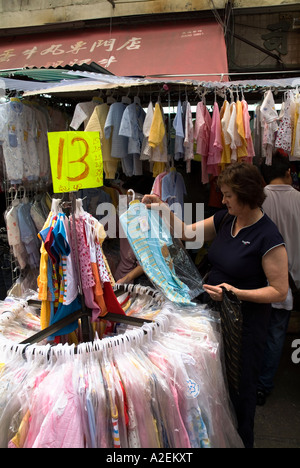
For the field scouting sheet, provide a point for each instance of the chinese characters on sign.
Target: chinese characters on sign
(58, 49)
(192, 33)
(76, 160)
(144, 50)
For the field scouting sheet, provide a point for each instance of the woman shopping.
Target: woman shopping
(248, 258)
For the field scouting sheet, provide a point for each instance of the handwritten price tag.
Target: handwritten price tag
(76, 160)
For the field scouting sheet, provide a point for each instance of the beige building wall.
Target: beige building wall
(25, 13)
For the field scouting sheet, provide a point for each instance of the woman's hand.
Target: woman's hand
(216, 292)
(150, 200)
(131, 276)
(125, 280)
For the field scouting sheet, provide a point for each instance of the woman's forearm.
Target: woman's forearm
(200, 231)
(266, 295)
(132, 275)
(179, 229)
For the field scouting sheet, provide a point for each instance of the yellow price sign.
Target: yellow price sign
(76, 160)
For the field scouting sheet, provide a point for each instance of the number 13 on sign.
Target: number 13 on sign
(76, 160)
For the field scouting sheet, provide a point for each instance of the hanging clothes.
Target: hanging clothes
(226, 140)
(139, 392)
(42, 127)
(96, 123)
(201, 135)
(242, 150)
(284, 133)
(119, 143)
(188, 142)
(295, 151)
(146, 150)
(269, 119)
(18, 132)
(215, 146)
(18, 320)
(28, 233)
(248, 134)
(60, 277)
(179, 133)
(157, 138)
(173, 190)
(235, 140)
(257, 131)
(82, 113)
(157, 130)
(132, 127)
(14, 235)
(157, 184)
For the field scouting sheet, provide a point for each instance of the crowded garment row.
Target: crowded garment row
(23, 139)
(273, 130)
(159, 386)
(72, 261)
(131, 132)
(134, 133)
(28, 210)
(170, 187)
(24, 218)
(18, 320)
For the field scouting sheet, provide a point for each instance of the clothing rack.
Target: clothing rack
(139, 289)
(84, 316)
(84, 313)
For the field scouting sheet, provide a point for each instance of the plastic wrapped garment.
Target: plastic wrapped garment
(17, 319)
(159, 386)
(164, 261)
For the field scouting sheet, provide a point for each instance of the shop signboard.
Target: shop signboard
(177, 49)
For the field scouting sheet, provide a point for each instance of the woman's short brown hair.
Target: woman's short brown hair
(246, 182)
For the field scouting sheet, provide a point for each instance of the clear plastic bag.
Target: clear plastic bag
(163, 258)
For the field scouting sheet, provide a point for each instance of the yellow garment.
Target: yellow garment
(226, 152)
(19, 439)
(158, 168)
(197, 157)
(42, 281)
(45, 314)
(73, 338)
(126, 306)
(296, 117)
(242, 150)
(157, 130)
(113, 193)
(100, 232)
(97, 124)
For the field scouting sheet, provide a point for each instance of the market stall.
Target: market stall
(167, 132)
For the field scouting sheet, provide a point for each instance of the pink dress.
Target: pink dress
(56, 415)
(201, 136)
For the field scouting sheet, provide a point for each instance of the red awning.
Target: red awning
(184, 48)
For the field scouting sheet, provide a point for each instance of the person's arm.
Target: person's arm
(203, 230)
(275, 265)
(132, 275)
